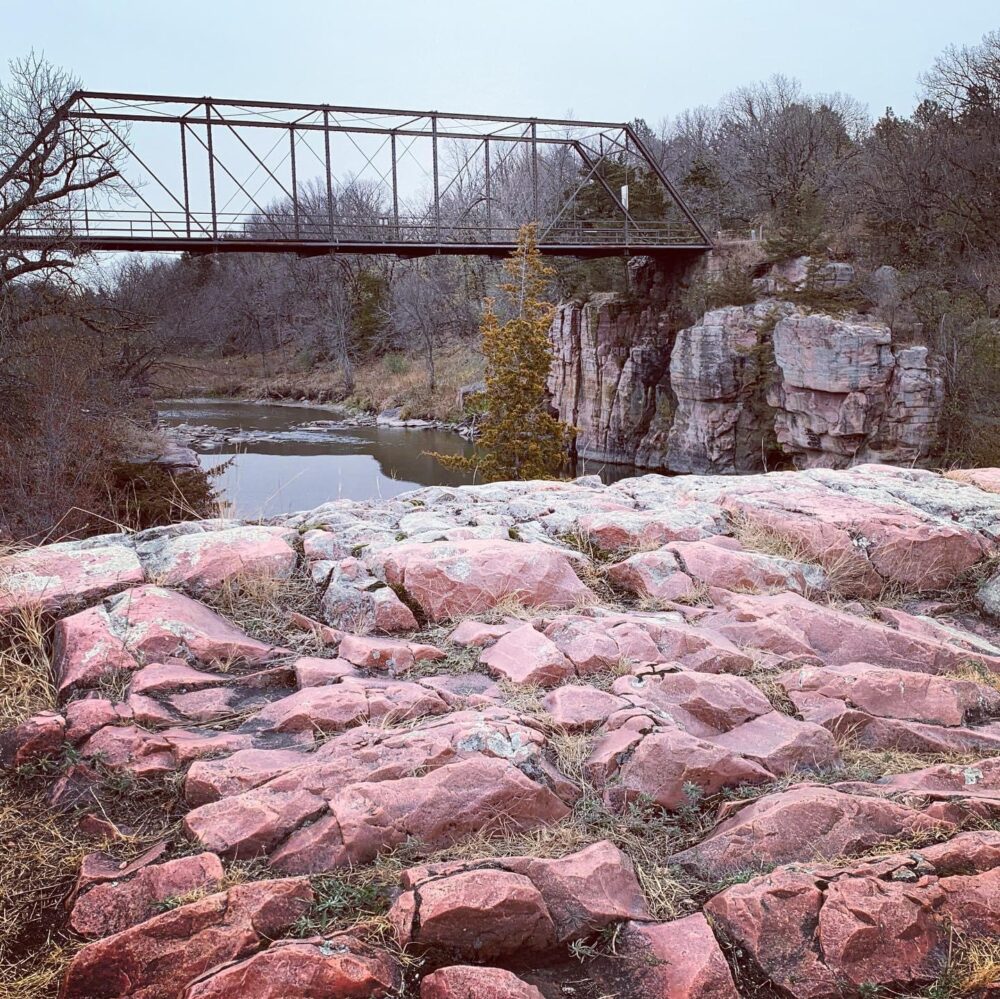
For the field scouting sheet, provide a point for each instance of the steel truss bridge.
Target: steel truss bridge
(208, 175)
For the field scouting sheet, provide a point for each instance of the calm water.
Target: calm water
(286, 465)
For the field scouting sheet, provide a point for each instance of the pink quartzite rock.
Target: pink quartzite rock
(527, 656)
(680, 960)
(336, 706)
(897, 693)
(820, 934)
(987, 479)
(719, 701)
(668, 763)
(900, 545)
(478, 915)
(801, 824)
(159, 957)
(39, 738)
(210, 780)
(385, 654)
(653, 575)
(622, 530)
(204, 560)
(56, 577)
(116, 905)
(781, 744)
(146, 623)
(585, 891)
(337, 967)
(473, 795)
(788, 624)
(579, 708)
(464, 981)
(452, 579)
(732, 568)
(472, 632)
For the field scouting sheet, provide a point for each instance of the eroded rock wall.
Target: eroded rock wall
(743, 388)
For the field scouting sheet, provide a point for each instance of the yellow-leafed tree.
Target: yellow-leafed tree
(518, 436)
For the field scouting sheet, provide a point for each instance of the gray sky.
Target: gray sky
(597, 60)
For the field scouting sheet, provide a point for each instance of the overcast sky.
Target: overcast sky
(598, 60)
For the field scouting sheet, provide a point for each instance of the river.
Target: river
(281, 458)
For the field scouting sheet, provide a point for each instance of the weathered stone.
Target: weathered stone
(146, 622)
(680, 960)
(204, 560)
(385, 654)
(437, 809)
(526, 656)
(478, 915)
(653, 575)
(802, 824)
(451, 579)
(158, 958)
(466, 981)
(39, 738)
(781, 744)
(113, 906)
(668, 765)
(56, 577)
(336, 967)
(580, 708)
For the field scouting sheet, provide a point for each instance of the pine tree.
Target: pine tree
(518, 437)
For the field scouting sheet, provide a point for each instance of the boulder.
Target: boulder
(146, 623)
(781, 744)
(114, 906)
(39, 738)
(453, 579)
(578, 708)
(204, 560)
(526, 656)
(335, 967)
(465, 981)
(158, 958)
(680, 959)
(453, 801)
(668, 766)
(655, 575)
(802, 824)
(56, 577)
(478, 915)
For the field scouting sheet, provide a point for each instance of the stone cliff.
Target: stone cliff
(742, 389)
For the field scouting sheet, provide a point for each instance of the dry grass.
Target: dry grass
(976, 672)
(873, 764)
(765, 679)
(381, 383)
(26, 685)
(260, 605)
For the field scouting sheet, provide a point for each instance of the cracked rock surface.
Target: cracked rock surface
(686, 737)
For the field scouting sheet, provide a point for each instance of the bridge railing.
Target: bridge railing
(83, 224)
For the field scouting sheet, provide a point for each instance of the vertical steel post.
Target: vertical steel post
(395, 188)
(626, 213)
(489, 195)
(437, 195)
(184, 169)
(295, 182)
(534, 170)
(329, 174)
(211, 167)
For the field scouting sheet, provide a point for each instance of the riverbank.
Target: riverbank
(287, 375)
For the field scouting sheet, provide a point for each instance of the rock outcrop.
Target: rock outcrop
(695, 737)
(743, 388)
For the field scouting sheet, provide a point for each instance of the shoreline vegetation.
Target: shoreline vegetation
(285, 376)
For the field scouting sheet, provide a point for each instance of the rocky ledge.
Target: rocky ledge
(690, 737)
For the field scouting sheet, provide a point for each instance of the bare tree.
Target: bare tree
(45, 160)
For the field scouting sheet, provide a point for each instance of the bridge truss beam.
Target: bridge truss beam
(212, 175)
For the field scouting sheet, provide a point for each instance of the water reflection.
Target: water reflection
(287, 458)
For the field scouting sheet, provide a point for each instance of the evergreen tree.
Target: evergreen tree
(518, 436)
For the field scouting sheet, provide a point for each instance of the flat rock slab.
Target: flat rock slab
(61, 576)
(449, 580)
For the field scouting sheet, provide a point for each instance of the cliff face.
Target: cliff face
(742, 389)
